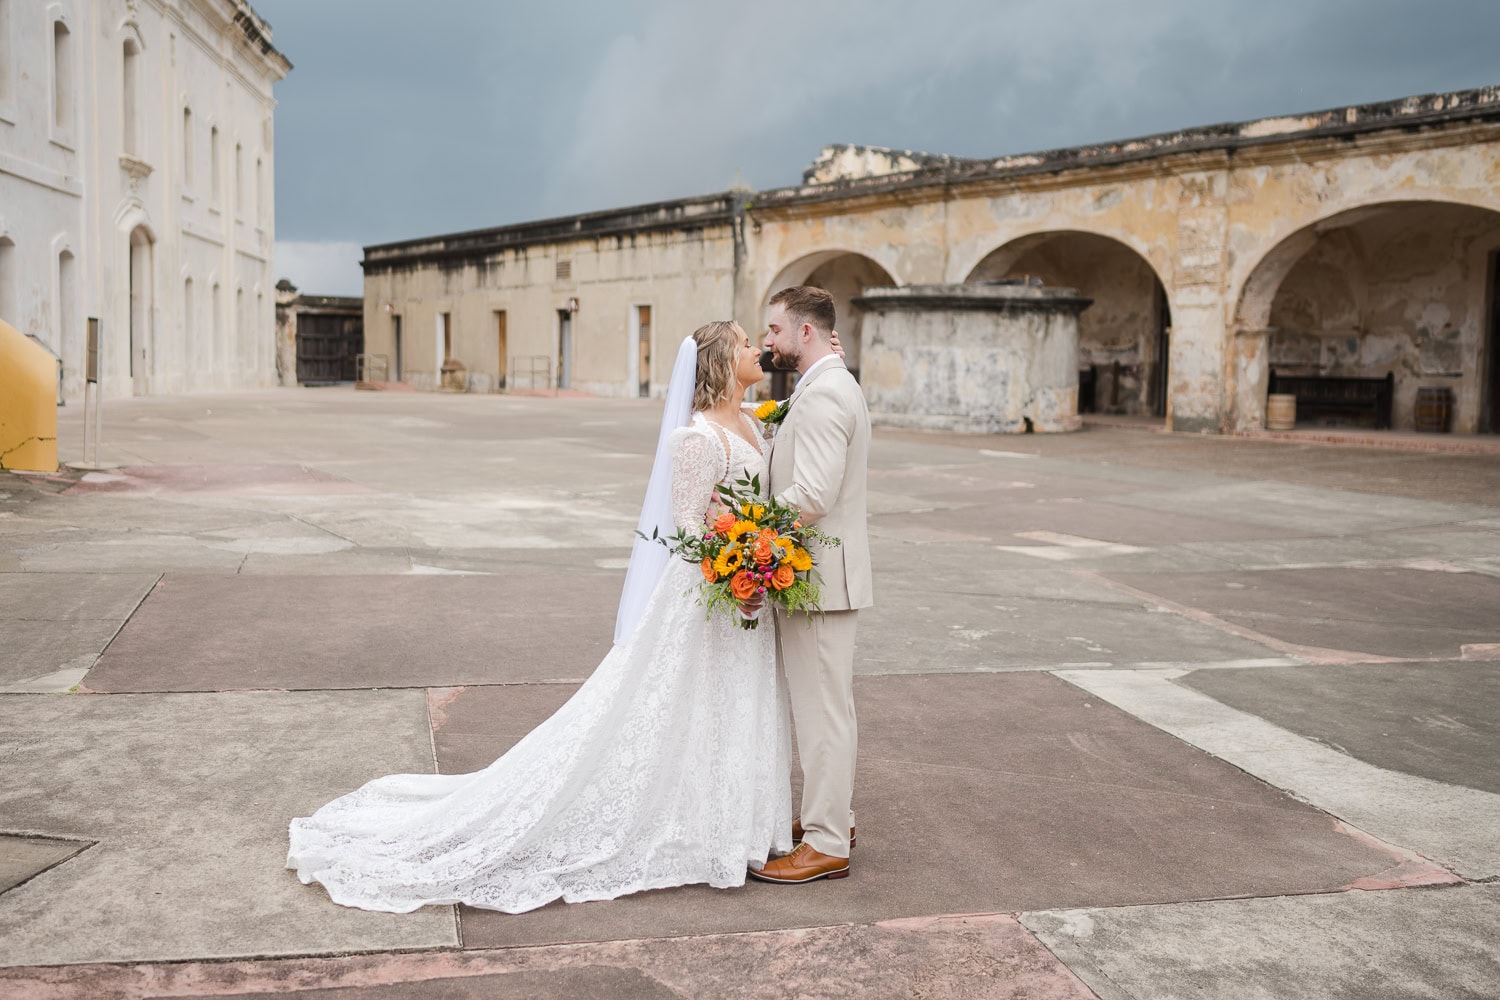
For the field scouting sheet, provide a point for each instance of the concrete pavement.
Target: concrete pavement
(1175, 716)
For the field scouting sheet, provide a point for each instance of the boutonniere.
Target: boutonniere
(772, 412)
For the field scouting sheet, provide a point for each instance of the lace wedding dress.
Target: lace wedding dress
(669, 766)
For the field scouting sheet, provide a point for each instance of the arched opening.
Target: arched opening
(241, 335)
(188, 158)
(844, 275)
(69, 332)
(189, 329)
(62, 76)
(1401, 293)
(130, 98)
(141, 302)
(10, 303)
(214, 352)
(1123, 338)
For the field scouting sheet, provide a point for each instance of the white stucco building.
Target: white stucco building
(136, 186)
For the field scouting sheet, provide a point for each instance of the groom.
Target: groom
(818, 462)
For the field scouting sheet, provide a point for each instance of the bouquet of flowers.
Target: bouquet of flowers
(751, 547)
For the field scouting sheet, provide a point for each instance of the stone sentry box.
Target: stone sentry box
(981, 358)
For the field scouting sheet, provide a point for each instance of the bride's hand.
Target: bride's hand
(837, 347)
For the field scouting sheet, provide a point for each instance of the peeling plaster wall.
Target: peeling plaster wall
(686, 277)
(1403, 291)
(1214, 227)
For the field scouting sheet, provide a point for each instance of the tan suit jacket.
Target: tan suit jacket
(819, 461)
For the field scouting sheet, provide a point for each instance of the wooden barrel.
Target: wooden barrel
(1281, 411)
(1434, 410)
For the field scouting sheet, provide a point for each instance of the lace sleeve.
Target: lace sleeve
(697, 465)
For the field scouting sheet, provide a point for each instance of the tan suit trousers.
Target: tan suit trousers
(820, 648)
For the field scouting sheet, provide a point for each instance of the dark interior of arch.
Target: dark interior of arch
(1406, 290)
(1123, 336)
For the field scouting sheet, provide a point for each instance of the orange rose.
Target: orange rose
(783, 576)
(743, 585)
(763, 552)
(708, 571)
(724, 523)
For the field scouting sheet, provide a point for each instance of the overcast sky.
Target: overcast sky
(404, 119)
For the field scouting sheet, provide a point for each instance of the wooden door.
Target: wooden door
(564, 349)
(504, 349)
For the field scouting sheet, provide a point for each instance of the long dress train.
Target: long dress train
(669, 766)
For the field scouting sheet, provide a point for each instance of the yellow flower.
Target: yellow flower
(801, 561)
(741, 529)
(729, 560)
(752, 511)
(765, 409)
(784, 547)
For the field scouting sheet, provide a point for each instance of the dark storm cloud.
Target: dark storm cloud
(405, 119)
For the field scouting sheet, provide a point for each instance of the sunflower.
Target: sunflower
(765, 409)
(729, 561)
(741, 529)
(801, 561)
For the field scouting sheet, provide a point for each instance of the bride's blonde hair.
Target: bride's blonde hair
(718, 344)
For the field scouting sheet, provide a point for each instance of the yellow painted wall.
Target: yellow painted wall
(28, 403)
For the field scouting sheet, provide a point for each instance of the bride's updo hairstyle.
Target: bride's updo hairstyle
(718, 344)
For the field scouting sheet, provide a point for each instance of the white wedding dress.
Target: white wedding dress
(669, 766)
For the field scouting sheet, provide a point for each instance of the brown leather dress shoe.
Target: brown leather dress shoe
(797, 833)
(803, 865)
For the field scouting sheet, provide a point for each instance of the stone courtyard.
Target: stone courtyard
(1142, 715)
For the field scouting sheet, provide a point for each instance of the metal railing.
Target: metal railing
(525, 369)
(372, 368)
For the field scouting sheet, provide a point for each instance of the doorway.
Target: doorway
(396, 347)
(1163, 353)
(501, 342)
(140, 307)
(643, 357)
(564, 349)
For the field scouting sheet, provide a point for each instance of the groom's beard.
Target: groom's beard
(771, 361)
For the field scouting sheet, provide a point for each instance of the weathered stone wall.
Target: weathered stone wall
(687, 278)
(1220, 227)
(1219, 215)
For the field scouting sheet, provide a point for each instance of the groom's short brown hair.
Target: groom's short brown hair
(806, 304)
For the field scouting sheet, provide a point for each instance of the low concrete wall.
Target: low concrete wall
(978, 358)
(28, 404)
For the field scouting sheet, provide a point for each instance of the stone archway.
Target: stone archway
(1124, 337)
(1403, 288)
(844, 274)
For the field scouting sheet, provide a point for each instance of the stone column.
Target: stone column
(1252, 379)
(1197, 371)
(972, 357)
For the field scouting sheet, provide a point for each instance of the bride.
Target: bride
(669, 766)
